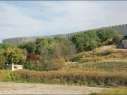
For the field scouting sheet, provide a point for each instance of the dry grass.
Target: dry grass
(108, 54)
(113, 91)
(78, 77)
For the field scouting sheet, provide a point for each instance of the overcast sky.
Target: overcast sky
(36, 18)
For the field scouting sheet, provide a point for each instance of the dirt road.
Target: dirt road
(45, 89)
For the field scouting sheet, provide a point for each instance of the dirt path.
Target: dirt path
(45, 89)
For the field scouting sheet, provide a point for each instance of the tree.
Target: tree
(2, 61)
(52, 52)
(106, 34)
(30, 47)
(85, 41)
(14, 55)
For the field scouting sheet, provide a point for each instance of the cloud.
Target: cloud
(86, 15)
(73, 17)
(32, 18)
(14, 23)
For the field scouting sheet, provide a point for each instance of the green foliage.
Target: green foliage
(43, 53)
(45, 65)
(85, 40)
(107, 36)
(89, 40)
(10, 54)
(55, 47)
(2, 57)
(2, 61)
(6, 75)
(14, 55)
(30, 47)
(4, 46)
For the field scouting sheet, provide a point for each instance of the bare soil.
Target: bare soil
(45, 89)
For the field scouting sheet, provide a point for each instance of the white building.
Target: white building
(15, 67)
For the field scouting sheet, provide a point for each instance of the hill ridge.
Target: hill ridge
(122, 28)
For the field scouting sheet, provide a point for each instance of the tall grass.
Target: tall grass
(72, 77)
(111, 66)
(5, 75)
(78, 77)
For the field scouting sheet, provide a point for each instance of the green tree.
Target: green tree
(30, 47)
(85, 41)
(53, 52)
(106, 35)
(14, 55)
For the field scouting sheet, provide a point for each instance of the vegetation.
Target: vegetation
(9, 55)
(89, 40)
(85, 58)
(114, 91)
(77, 77)
(48, 53)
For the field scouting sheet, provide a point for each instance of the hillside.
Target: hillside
(83, 58)
(120, 28)
(105, 58)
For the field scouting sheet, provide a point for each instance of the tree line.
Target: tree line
(53, 53)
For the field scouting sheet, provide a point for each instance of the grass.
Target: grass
(113, 91)
(111, 66)
(5, 75)
(77, 77)
(99, 72)
(106, 58)
(101, 55)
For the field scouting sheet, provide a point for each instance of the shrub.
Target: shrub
(104, 53)
(45, 65)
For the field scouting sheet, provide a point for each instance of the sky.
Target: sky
(40, 18)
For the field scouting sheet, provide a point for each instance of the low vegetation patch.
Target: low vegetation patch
(111, 66)
(114, 91)
(77, 77)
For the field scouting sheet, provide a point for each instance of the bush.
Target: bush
(45, 65)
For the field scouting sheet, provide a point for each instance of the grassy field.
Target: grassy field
(107, 66)
(113, 91)
(106, 58)
(77, 77)
(102, 54)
